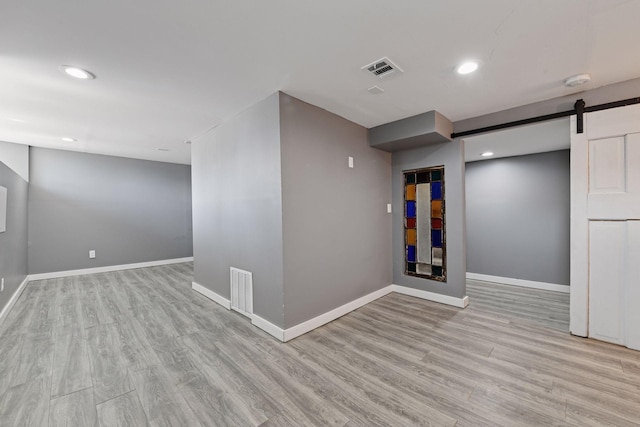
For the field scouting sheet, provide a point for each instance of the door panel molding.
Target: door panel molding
(607, 260)
(605, 226)
(579, 280)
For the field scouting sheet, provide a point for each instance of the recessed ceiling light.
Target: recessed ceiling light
(67, 139)
(467, 67)
(487, 154)
(77, 73)
(576, 80)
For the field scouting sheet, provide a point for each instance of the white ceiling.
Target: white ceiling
(168, 71)
(535, 138)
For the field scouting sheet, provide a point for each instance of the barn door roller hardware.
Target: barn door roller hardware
(579, 108)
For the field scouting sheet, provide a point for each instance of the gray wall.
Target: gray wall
(337, 232)
(518, 217)
(128, 210)
(451, 155)
(13, 242)
(237, 206)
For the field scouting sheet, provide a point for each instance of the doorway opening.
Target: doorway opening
(518, 222)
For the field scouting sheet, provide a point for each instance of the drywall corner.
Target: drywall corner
(237, 206)
(336, 229)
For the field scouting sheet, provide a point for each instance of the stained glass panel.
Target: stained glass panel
(424, 221)
(411, 209)
(411, 192)
(436, 190)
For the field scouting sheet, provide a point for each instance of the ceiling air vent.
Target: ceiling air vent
(382, 68)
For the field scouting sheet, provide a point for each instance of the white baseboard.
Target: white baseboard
(80, 272)
(285, 335)
(519, 282)
(268, 327)
(311, 324)
(256, 320)
(288, 334)
(7, 308)
(431, 296)
(323, 319)
(211, 295)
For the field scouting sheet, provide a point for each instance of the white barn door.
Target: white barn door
(605, 226)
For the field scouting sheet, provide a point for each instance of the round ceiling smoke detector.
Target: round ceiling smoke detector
(577, 80)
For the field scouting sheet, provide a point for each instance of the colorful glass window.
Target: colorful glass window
(424, 223)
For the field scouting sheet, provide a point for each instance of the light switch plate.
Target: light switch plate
(388, 207)
(351, 162)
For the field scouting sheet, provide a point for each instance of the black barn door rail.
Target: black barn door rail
(579, 108)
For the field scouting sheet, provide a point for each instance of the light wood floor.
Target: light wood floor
(543, 308)
(139, 347)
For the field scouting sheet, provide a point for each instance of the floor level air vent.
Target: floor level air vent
(241, 291)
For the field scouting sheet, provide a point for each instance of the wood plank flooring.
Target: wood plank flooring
(139, 347)
(545, 308)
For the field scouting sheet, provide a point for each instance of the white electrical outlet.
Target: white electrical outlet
(351, 162)
(388, 207)
(92, 254)
(2, 285)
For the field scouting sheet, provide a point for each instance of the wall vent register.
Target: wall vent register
(241, 291)
(424, 223)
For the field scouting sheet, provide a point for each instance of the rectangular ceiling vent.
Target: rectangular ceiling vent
(382, 68)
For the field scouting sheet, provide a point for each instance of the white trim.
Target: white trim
(288, 334)
(268, 327)
(432, 296)
(519, 282)
(211, 295)
(323, 319)
(285, 335)
(256, 320)
(579, 230)
(68, 273)
(7, 308)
